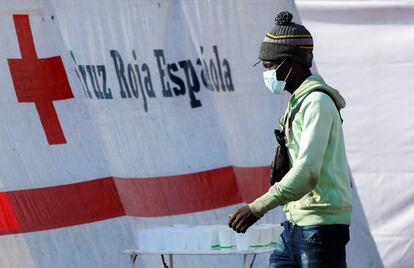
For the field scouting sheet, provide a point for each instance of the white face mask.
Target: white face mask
(271, 82)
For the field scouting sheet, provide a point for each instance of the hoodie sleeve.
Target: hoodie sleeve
(318, 116)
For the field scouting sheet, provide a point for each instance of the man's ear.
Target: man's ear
(294, 64)
(299, 65)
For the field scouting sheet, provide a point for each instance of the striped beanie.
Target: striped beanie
(287, 40)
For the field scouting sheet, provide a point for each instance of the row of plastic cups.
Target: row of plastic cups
(258, 236)
(206, 237)
(200, 238)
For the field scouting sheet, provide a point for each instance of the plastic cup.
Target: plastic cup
(178, 238)
(207, 237)
(168, 241)
(277, 231)
(143, 239)
(242, 241)
(192, 239)
(157, 238)
(254, 237)
(150, 239)
(265, 233)
(226, 238)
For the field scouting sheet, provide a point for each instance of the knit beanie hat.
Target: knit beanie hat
(287, 40)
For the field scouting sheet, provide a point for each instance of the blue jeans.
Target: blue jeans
(314, 246)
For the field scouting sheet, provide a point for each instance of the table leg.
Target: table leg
(171, 260)
(133, 258)
(245, 261)
(163, 261)
(253, 259)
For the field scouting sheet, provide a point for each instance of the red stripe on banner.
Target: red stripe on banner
(253, 182)
(8, 221)
(179, 194)
(66, 205)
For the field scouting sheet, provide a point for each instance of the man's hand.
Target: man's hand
(242, 220)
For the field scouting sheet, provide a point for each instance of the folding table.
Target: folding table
(133, 254)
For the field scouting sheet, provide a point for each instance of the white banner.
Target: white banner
(144, 109)
(365, 50)
(123, 115)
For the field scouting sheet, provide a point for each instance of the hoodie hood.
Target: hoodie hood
(313, 82)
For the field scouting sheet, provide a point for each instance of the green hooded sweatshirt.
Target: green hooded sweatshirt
(317, 188)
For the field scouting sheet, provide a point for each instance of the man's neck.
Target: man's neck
(297, 81)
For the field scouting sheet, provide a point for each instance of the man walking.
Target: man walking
(316, 191)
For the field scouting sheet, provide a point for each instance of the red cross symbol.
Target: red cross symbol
(41, 81)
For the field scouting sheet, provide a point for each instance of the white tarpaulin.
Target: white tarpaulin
(122, 115)
(365, 50)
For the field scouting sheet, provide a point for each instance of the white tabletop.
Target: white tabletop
(231, 251)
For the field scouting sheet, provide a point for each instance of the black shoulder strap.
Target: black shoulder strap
(294, 112)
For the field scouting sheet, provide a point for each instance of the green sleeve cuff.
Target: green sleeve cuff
(263, 204)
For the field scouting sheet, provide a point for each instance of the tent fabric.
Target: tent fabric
(123, 115)
(363, 49)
